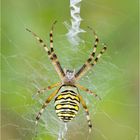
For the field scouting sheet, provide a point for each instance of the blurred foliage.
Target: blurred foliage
(115, 78)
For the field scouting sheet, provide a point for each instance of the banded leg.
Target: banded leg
(51, 37)
(91, 57)
(45, 104)
(87, 66)
(40, 41)
(99, 55)
(86, 111)
(51, 54)
(41, 91)
(88, 91)
(53, 57)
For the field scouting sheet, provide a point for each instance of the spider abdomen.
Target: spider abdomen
(67, 103)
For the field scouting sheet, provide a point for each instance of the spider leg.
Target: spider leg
(87, 66)
(98, 56)
(45, 104)
(91, 57)
(41, 91)
(88, 91)
(86, 111)
(51, 37)
(40, 41)
(53, 57)
(51, 54)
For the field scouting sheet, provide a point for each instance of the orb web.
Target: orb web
(27, 70)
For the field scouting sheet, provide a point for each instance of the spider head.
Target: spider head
(69, 76)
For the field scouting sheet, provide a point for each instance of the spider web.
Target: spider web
(26, 68)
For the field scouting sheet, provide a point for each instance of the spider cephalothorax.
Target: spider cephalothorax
(69, 78)
(67, 96)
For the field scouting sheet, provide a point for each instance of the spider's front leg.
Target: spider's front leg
(91, 61)
(51, 54)
(85, 67)
(51, 37)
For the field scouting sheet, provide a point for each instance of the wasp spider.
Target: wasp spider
(67, 96)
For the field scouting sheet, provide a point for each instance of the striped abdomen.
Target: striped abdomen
(67, 103)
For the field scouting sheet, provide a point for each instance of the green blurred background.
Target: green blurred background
(25, 67)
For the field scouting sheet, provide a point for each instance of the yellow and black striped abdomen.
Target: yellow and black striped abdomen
(67, 103)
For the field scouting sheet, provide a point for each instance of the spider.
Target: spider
(67, 97)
